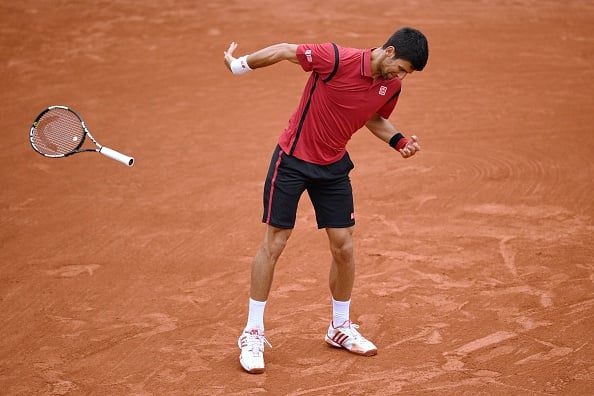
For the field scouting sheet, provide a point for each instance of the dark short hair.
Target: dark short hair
(411, 45)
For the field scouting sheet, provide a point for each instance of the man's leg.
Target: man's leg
(275, 240)
(251, 342)
(342, 268)
(341, 332)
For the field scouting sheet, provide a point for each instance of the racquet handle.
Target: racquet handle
(124, 159)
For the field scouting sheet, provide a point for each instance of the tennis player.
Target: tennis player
(348, 88)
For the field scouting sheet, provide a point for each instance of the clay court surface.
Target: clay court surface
(475, 259)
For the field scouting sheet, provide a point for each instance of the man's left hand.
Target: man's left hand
(411, 148)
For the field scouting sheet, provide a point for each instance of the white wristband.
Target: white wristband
(240, 65)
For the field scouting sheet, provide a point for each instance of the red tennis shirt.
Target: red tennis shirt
(339, 98)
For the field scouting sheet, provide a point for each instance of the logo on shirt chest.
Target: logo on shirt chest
(383, 89)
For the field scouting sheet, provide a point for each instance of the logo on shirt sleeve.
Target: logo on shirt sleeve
(383, 89)
(308, 56)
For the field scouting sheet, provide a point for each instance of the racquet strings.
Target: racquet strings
(57, 132)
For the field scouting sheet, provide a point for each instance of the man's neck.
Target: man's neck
(377, 55)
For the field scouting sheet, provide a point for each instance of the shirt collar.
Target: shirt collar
(366, 63)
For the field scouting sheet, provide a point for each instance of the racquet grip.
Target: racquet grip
(124, 159)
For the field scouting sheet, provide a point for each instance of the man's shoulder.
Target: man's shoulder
(349, 52)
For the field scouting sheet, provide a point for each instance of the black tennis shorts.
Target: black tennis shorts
(328, 186)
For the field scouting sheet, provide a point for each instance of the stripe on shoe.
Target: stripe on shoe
(340, 338)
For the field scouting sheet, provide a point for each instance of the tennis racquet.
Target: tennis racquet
(59, 131)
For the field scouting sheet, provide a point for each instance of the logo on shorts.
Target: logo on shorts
(308, 56)
(352, 215)
(383, 90)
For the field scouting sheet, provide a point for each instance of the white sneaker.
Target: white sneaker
(346, 336)
(251, 343)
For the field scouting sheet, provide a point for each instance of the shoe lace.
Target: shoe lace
(255, 341)
(350, 329)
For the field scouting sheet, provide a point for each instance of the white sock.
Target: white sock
(340, 312)
(256, 315)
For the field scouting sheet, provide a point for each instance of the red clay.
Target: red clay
(475, 258)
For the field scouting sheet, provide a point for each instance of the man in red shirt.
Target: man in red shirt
(348, 88)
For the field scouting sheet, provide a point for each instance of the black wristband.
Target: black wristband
(395, 139)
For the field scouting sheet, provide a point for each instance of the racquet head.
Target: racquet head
(57, 132)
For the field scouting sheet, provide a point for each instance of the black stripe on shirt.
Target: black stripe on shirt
(305, 111)
(335, 64)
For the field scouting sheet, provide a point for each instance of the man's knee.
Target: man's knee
(275, 241)
(341, 243)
